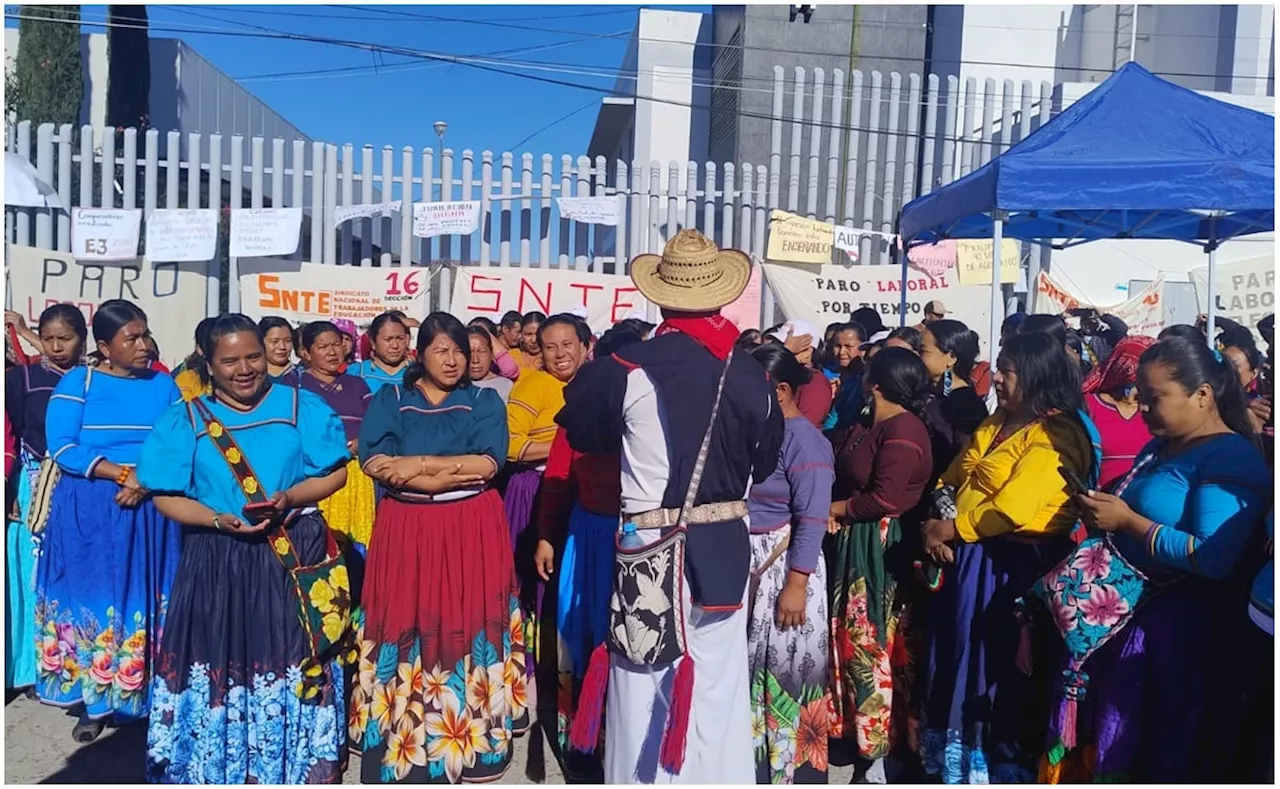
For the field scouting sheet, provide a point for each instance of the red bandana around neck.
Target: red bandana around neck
(714, 332)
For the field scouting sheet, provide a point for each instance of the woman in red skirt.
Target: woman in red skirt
(441, 685)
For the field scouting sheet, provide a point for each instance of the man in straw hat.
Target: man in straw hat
(675, 658)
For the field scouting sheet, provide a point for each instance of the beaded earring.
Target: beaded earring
(946, 382)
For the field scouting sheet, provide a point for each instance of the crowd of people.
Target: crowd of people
(681, 552)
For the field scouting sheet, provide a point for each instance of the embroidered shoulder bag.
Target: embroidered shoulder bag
(47, 477)
(323, 590)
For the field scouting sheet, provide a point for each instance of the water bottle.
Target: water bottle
(630, 538)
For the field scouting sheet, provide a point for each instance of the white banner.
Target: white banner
(105, 234)
(492, 291)
(317, 292)
(172, 294)
(830, 294)
(1143, 312)
(182, 235)
(1245, 292)
(263, 232)
(344, 212)
(591, 210)
(446, 219)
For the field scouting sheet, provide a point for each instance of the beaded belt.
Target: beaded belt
(716, 512)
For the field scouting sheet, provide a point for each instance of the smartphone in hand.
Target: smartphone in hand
(255, 513)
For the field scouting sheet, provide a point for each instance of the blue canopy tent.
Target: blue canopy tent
(1137, 157)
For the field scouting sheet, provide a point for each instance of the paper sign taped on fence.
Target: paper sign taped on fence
(318, 292)
(343, 213)
(597, 210)
(797, 239)
(182, 235)
(831, 293)
(173, 295)
(847, 239)
(1143, 312)
(105, 234)
(263, 232)
(1245, 292)
(493, 291)
(973, 259)
(938, 258)
(446, 219)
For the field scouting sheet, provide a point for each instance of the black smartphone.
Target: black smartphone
(1074, 482)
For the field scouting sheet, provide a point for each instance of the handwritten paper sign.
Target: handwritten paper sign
(343, 213)
(446, 219)
(486, 292)
(937, 259)
(105, 234)
(318, 292)
(796, 239)
(590, 210)
(973, 259)
(262, 232)
(182, 234)
(173, 295)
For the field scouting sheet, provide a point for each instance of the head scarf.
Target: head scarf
(1120, 369)
(348, 327)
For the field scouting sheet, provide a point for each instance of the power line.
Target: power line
(553, 124)
(617, 11)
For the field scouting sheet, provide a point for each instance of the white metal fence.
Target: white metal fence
(905, 135)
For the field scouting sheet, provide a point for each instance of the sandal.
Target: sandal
(87, 731)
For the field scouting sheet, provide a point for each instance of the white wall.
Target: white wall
(662, 130)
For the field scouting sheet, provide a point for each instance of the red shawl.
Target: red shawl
(712, 331)
(1121, 367)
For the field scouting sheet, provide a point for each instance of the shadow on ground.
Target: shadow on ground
(114, 758)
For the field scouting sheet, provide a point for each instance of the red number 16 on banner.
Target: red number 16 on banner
(410, 284)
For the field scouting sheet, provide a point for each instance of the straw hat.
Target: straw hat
(692, 274)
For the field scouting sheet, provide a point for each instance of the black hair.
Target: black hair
(1048, 379)
(1183, 330)
(580, 327)
(750, 339)
(868, 319)
(383, 320)
(1051, 325)
(512, 318)
(1267, 328)
(1192, 364)
(274, 322)
(901, 377)
(483, 323)
(112, 316)
(195, 362)
(831, 329)
(1075, 343)
(475, 329)
(781, 365)
(953, 337)
(1246, 346)
(1237, 336)
(908, 334)
(615, 339)
(68, 314)
(638, 325)
(311, 332)
(438, 323)
(855, 327)
(533, 317)
(219, 327)
(1010, 325)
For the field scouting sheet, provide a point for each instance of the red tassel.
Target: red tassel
(584, 733)
(676, 736)
(1068, 733)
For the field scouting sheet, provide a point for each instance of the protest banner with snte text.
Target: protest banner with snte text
(1142, 312)
(318, 292)
(488, 292)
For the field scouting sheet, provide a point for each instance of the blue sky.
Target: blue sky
(340, 94)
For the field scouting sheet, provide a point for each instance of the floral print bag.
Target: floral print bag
(323, 590)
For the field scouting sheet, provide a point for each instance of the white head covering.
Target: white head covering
(637, 314)
(795, 329)
(875, 338)
(579, 312)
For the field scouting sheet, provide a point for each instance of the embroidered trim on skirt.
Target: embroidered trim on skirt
(441, 688)
(21, 547)
(225, 707)
(103, 584)
(791, 704)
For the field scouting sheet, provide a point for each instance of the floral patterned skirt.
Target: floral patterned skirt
(20, 598)
(442, 687)
(225, 705)
(864, 629)
(791, 705)
(102, 586)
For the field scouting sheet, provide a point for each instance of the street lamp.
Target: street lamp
(441, 127)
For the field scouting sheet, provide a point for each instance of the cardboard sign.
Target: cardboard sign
(318, 292)
(182, 235)
(262, 232)
(173, 295)
(1245, 292)
(830, 294)
(797, 239)
(105, 234)
(973, 259)
(446, 219)
(590, 210)
(1143, 312)
(486, 292)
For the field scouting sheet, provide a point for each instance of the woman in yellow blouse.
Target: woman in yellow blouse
(193, 379)
(1011, 523)
(535, 400)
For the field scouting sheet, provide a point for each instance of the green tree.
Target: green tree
(47, 73)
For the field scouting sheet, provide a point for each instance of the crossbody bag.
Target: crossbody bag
(47, 477)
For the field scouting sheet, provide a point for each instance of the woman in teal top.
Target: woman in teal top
(1183, 515)
(226, 708)
(390, 336)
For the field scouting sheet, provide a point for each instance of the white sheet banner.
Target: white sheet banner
(446, 219)
(602, 210)
(172, 294)
(316, 292)
(1142, 312)
(263, 232)
(182, 235)
(1245, 292)
(607, 298)
(343, 213)
(105, 234)
(832, 293)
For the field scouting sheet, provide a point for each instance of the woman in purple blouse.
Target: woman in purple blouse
(788, 633)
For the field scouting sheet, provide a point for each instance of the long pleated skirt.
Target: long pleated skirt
(442, 686)
(791, 703)
(518, 499)
(225, 703)
(350, 511)
(20, 595)
(103, 582)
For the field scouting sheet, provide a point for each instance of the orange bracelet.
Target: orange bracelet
(125, 471)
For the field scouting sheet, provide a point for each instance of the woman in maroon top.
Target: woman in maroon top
(881, 473)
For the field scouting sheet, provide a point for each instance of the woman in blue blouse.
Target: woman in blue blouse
(108, 555)
(1183, 515)
(390, 358)
(27, 390)
(441, 686)
(225, 702)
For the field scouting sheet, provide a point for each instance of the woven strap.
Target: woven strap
(716, 512)
(695, 479)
